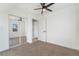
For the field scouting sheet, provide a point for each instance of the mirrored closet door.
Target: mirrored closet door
(16, 31)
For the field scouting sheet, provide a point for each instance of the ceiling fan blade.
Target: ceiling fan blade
(37, 8)
(50, 4)
(49, 10)
(42, 4)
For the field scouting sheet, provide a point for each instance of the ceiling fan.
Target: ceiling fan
(45, 7)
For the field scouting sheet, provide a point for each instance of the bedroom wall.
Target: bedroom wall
(4, 37)
(61, 25)
(77, 26)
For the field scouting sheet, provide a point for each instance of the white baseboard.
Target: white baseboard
(60, 45)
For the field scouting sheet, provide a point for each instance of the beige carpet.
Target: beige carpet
(40, 48)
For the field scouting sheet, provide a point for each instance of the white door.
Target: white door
(42, 30)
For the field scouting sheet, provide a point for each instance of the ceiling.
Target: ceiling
(31, 6)
(27, 8)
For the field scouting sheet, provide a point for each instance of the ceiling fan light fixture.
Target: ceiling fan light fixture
(44, 9)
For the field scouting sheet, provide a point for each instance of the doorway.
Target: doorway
(35, 30)
(16, 31)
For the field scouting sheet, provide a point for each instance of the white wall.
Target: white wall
(29, 29)
(61, 26)
(4, 38)
(77, 26)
